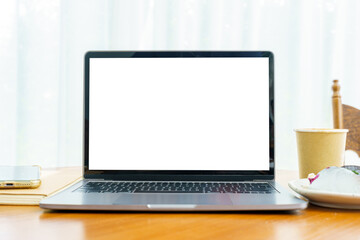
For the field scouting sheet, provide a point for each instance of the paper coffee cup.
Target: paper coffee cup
(319, 148)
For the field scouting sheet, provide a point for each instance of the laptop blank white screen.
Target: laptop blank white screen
(179, 114)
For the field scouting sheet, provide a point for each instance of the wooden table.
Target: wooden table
(24, 222)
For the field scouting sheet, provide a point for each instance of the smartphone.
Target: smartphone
(19, 177)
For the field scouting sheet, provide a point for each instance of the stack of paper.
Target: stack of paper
(52, 181)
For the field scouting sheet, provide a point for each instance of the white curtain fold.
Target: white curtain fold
(43, 42)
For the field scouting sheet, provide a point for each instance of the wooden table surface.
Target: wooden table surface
(31, 222)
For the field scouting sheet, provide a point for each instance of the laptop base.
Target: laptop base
(69, 199)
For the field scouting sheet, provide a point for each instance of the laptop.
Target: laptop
(178, 131)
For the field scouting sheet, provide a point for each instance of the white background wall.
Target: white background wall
(42, 43)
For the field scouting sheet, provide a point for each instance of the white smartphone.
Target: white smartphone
(19, 177)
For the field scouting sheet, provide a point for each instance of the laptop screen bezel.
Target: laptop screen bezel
(178, 175)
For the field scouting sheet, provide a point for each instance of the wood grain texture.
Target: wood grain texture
(351, 120)
(28, 222)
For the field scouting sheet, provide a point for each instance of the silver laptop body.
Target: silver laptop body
(178, 131)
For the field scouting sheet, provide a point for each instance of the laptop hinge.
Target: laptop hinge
(103, 179)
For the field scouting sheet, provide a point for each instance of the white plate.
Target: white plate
(325, 198)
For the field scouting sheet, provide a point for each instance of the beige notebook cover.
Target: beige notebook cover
(52, 181)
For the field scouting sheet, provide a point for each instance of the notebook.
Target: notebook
(52, 181)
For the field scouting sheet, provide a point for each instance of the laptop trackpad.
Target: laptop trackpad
(173, 198)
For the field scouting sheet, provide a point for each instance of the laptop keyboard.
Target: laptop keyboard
(176, 187)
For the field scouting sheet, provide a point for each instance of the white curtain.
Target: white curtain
(42, 45)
